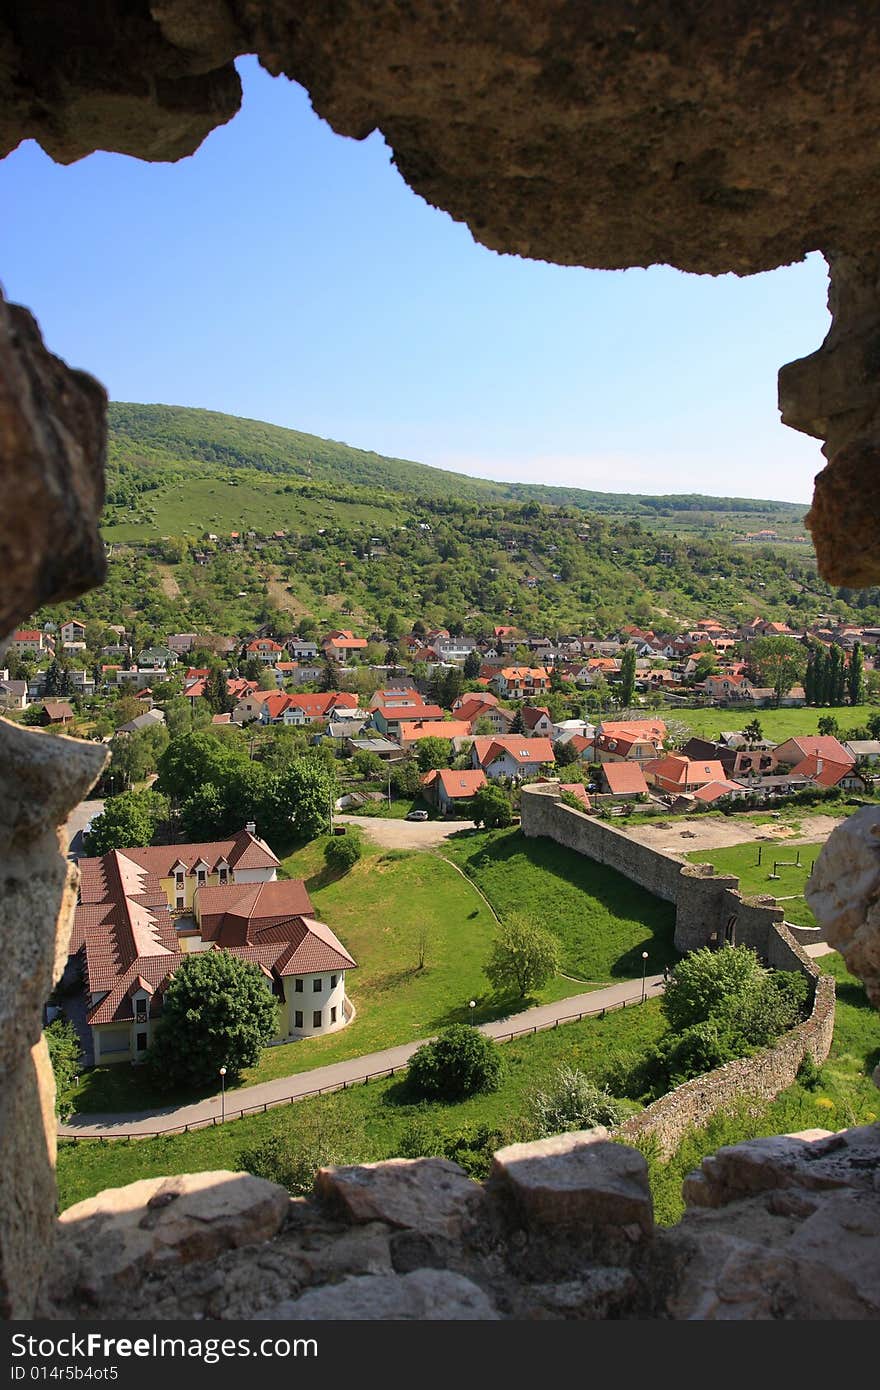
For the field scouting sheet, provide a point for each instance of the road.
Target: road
(406, 834)
(77, 821)
(207, 1112)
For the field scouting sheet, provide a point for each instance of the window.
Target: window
(201, 874)
(180, 900)
(223, 876)
(298, 987)
(316, 1018)
(141, 1042)
(317, 986)
(298, 1019)
(333, 981)
(140, 1010)
(333, 1014)
(179, 877)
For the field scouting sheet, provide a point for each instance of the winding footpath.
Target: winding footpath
(252, 1099)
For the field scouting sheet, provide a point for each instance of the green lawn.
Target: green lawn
(375, 1119)
(603, 921)
(756, 878)
(845, 1096)
(378, 911)
(777, 724)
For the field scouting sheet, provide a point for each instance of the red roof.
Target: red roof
(532, 715)
(822, 746)
(685, 771)
(26, 635)
(238, 914)
(624, 779)
(522, 750)
(822, 771)
(240, 851)
(264, 644)
(577, 789)
(412, 730)
(461, 784)
(714, 791)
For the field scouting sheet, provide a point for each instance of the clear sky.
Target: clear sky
(289, 275)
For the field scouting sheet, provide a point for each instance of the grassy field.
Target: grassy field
(378, 911)
(374, 1119)
(755, 878)
(776, 724)
(603, 921)
(845, 1096)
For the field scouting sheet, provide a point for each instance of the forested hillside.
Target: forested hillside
(341, 533)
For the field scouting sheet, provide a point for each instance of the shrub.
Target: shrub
(809, 1075)
(459, 1063)
(320, 1138)
(491, 807)
(572, 1101)
(66, 1058)
(343, 852)
(524, 957)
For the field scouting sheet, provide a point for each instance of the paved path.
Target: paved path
(77, 821)
(405, 834)
(253, 1098)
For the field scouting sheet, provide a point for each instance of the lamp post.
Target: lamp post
(472, 1004)
(644, 968)
(222, 1095)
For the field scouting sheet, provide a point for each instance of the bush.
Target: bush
(572, 1101)
(319, 1138)
(809, 1075)
(491, 807)
(66, 1058)
(460, 1063)
(343, 852)
(524, 957)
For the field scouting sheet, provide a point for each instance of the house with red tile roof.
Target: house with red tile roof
(30, 640)
(264, 649)
(536, 721)
(520, 682)
(795, 750)
(388, 720)
(448, 787)
(472, 708)
(822, 772)
(637, 740)
(129, 944)
(414, 730)
(682, 775)
(623, 780)
(342, 644)
(511, 755)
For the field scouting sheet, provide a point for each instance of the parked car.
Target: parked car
(417, 815)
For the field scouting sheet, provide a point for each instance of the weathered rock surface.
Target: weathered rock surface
(426, 1295)
(431, 1195)
(814, 1160)
(576, 1180)
(52, 442)
(126, 1232)
(843, 892)
(27, 1191)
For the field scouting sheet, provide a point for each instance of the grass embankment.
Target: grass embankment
(375, 1118)
(755, 878)
(776, 724)
(844, 1096)
(603, 921)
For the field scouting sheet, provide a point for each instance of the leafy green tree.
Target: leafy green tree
(433, 753)
(472, 663)
(343, 852)
(460, 1063)
(572, 1101)
(752, 732)
(393, 627)
(524, 957)
(193, 760)
(405, 778)
(66, 1057)
(828, 725)
(217, 1011)
(778, 662)
(491, 807)
(127, 821)
(628, 676)
(566, 754)
(367, 764)
(304, 795)
(707, 665)
(217, 695)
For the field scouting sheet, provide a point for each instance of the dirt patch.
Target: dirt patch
(406, 834)
(684, 836)
(170, 586)
(284, 600)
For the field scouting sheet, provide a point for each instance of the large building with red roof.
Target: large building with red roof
(143, 911)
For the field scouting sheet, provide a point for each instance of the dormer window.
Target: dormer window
(223, 875)
(201, 877)
(140, 1009)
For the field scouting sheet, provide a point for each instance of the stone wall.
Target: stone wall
(763, 1076)
(706, 903)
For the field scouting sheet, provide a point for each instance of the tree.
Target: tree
(472, 663)
(331, 677)
(127, 821)
(460, 1063)
(66, 1057)
(779, 662)
(217, 692)
(627, 676)
(367, 764)
(753, 733)
(524, 957)
(572, 1101)
(518, 727)
(343, 852)
(216, 1012)
(305, 793)
(405, 778)
(491, 807)
(433, 752)
(267, 680)
(193, 760)
(828, 725)
(707, 665)
(855, 680)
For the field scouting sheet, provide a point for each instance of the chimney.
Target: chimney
(818, 766)
(251, 827)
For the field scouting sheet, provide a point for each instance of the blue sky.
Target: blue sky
(287, 274)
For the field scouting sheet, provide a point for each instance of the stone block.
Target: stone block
(576, 1180)
(430, 1195)
(426, 1295)
(27, 1193)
